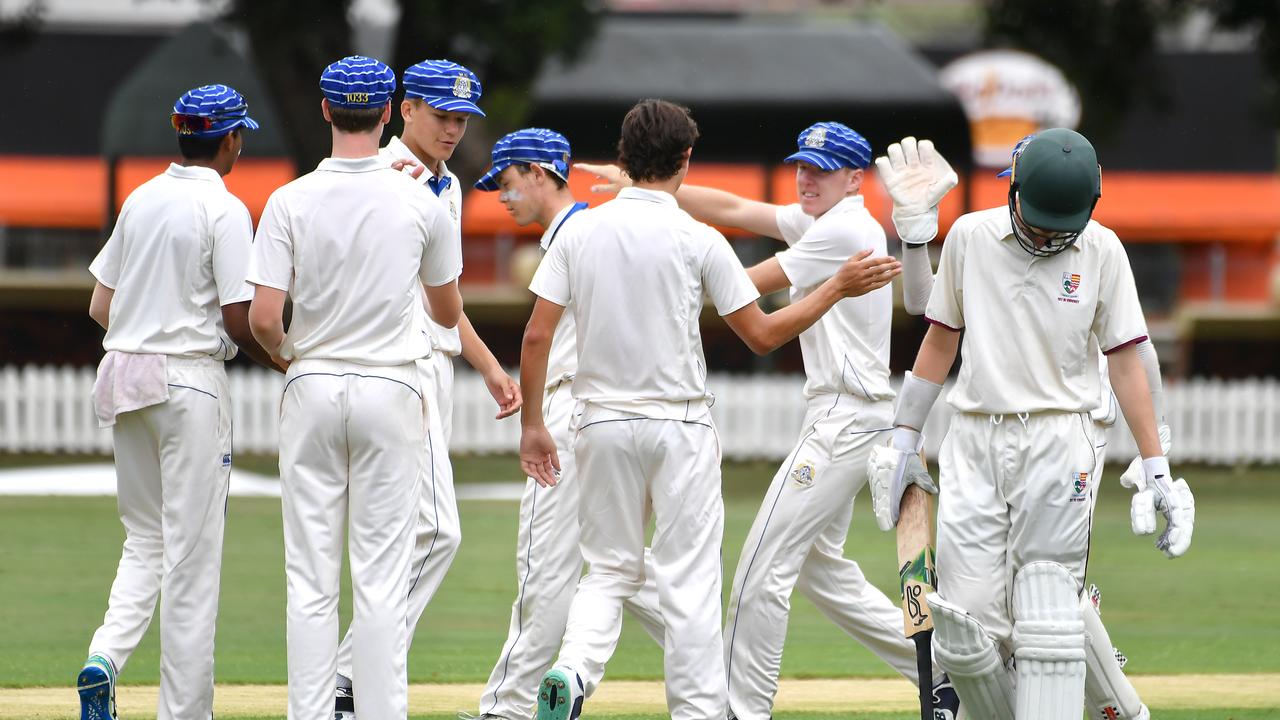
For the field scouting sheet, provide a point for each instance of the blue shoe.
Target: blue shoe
(560, 695)
(97, 688)
(946, 703)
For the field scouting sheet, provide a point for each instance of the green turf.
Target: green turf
(1211, 611)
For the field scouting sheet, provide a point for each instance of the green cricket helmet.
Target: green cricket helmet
(1054, 184)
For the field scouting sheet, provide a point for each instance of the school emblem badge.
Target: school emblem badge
(462, 87)
(1070, 283)
(1080, 487)
(803, 474)
(816, 138)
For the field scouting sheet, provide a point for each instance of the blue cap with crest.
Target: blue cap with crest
(530, 146)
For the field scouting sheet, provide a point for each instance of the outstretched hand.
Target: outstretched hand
(861, 274)
(415, 168)
(916, 177)
(612, 177)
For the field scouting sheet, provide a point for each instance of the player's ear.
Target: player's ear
(855, 181)
(324, 109)
(406, 109)
(386, 113)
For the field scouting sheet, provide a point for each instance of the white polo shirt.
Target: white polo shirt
(1028, 320)
(847, 349)
(178, 253)
(444, 339)
(633, 272)
(352, 242)
(563, 361)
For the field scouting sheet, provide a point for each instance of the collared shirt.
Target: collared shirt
(444, 339)
(847, 349)
(563, 361)
(353, 242)
(1028, 320)
(633, 272)
(178, 253)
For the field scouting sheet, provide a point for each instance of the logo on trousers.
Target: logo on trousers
(1080, 487)
(803, 474)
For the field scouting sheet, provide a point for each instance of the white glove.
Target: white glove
(890, 469)
(1157, 491)
(917, 178)
(1133, 476)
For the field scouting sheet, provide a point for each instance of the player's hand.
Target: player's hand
(1158, 492)
(861, 274)
(505, 391)
(415, 168)
(538, 458)
(917, 177)
(280, 361)
(890, 469)
(613, 178)
(1133, 477)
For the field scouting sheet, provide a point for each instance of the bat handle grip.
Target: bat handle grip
(924, 670)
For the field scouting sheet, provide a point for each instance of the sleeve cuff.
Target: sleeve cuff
(737, 306)
(264, 283)
(1124, 345)
(941, 324)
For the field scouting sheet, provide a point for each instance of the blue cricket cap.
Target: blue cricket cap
(358, 82)
(444, 85)
(530, 146)
(831, 146)
(1017, 150)
(211, 111)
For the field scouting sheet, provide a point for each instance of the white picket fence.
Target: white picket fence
(47, 409)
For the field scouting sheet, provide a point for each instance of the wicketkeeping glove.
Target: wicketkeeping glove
(890, 469)
(1157, 491)
(917, 178)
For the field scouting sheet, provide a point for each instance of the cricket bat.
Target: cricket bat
(916, 577)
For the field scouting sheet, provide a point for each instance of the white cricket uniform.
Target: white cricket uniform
(351, 242)
(633, 273)
(178, 253)
(438, 530)
(548, 560)
(1018, 462)
(797, 539)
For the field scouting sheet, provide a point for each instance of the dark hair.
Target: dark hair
(655, 134)
(355, 120)
(525, 169)
(194, 147)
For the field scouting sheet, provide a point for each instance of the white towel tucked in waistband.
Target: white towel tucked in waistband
(128, 381)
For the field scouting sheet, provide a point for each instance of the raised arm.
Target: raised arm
(916, 177)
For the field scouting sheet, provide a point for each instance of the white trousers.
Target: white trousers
(437, 531)
(1013, 490)
(629, 465)
(173, 466)
(351, 455)
(548, 568)
(797, 542)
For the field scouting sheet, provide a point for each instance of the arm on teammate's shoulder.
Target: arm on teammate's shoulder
(937, 354)
(100, 304)
(235, 320)
(917, 278)
(765, 332)
(444, 303)
(720, 207)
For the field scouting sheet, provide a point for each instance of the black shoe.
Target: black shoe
(946, 703)
(344, 704)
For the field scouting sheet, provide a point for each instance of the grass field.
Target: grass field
(1212, 611)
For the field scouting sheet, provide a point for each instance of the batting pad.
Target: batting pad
(962, 648)
(1048, 643)
(1108, 694)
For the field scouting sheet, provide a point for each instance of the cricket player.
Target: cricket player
(633, 273)
(530, 171)
(917, 177)
(439, 98)
(797, 539)
(171, 294)
(1032, 284)
(356, 245)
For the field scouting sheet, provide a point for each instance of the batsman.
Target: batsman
(1034, 286)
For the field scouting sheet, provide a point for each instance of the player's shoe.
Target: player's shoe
(560, 695)
(97, 687)
(344, 704)
(946, 703)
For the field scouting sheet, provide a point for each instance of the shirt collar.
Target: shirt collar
(194, 172)
(657, 196)
(851, 202)
(556, 222)
(353, 165)
(397, 150)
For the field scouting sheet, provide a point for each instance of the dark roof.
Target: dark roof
(136, 121)
(752, 84)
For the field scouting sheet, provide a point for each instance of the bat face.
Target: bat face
(915, 559)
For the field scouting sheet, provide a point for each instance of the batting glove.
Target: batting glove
(1158, 492)
(917, 178)
(891, 468)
